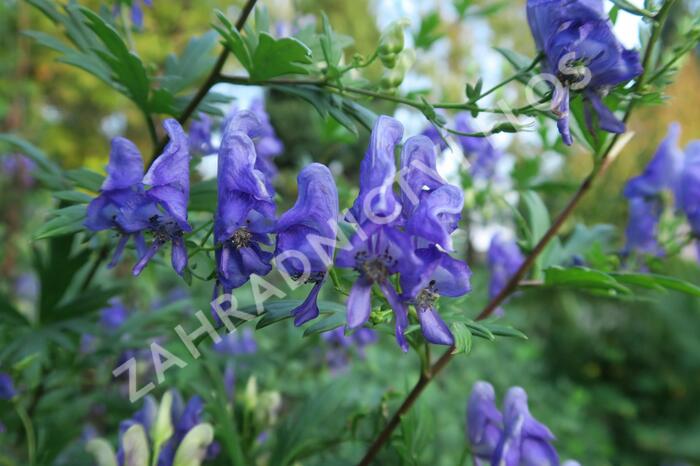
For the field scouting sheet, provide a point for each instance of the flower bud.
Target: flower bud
(135, 446)
(162, 429)
(102, 451)
(193, 448)
(391, 43)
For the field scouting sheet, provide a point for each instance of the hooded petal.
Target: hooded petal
(125, 168)
(169, 176)
(315, 215)
(377, 171)
(546, 16)
(484, 421)
(418, 171)
(437, 216)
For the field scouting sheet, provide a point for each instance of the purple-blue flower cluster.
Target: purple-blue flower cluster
(404, 237)
(7, 387)
(511, 438)
(670, 170)
(582, 54)
(132, 203)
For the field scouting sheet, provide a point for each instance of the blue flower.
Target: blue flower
(7, 387)
(309, 230)
(200, 135)
(662, 171)
(339, 344)
(484, 422)
(245, 213)
(688, 191)
(504, 259)
(642, 226)
(236, 343)
(127, 206)
(583, 53)
(480, 152)
(525, 441)
(114, 316)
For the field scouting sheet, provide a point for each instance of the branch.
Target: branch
(613, 149)
(213, 78)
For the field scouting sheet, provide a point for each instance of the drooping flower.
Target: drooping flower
(378, 250)
(245, 210)
(168, 182)
(484, 423)
(584, 55)
(481, 153)
(377, 170)
(7, 387)
(662, 171)
(309, 230)
(125, 205)
(113, 316)
(504, 259)
(642, 226)
(122, 204)
(339, 345)
(430, 223)
(525, 440)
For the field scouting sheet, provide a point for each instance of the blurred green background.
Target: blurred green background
(618, 383)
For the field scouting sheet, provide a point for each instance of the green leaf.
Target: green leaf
(203, 196)
(234, 42)
(65, 221)
(73, 197)
(480, 330)
(126, 67)
(537, 216)
(463, 338)
(583, 278)
(196, 60)
(505, 331)
(519, 61)
(657, 282)
(47, 171)
(279, 57)
(428, 33)
(325, 324)
(277, 311)
(86, 179)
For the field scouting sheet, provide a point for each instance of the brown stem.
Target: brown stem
(212, 79)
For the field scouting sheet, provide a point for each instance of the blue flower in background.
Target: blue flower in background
(114, 316)
(135, 10)
(583, 53)
(484, 423)
(7, 387)
(688, 191)
(308, 228)
(236, 343)
(662, 171)
(267, 144)
(525, 441)
(504, 259)
(127, 206)
(18, 167)
(245, 213)
(480, 152)
(201, 134)
(339, 345)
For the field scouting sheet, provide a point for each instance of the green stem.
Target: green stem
(517, 75)
(28, 431)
